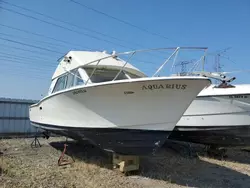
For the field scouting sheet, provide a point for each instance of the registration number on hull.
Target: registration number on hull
(79, 91)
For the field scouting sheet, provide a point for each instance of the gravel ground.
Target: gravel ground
(22, 166)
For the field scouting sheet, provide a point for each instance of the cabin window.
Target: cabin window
(60, 84)
(52, 85)
(104, 75)
(70, 80)
(78, 80)
(132, 75)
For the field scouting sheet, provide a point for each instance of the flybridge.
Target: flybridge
(115, 61)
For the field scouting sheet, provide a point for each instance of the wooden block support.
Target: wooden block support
(126, 163)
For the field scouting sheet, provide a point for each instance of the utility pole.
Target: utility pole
(218, 54)
(183, 65)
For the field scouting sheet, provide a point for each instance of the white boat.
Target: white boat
(219, 116)
(100, 97)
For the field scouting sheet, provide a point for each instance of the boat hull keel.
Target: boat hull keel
(120, 141)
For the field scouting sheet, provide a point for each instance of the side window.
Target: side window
(78, 80)
(60, 84)
(67, 81)
(104, 75)
(132, 75)
(52, 85)
(70, 80)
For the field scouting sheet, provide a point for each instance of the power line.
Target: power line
(41, 35)
(44, 36)
(6, 55)
(48, 43)
(21, 62)
(25, 57)
(19, 58)
(20, 70)
(228, 58)
(41, 59)
(11, 10)
(68, 23)
(59, 26)
(25, 50)
(26, 62)
(25, 75)
(138, 60)
(25, 44)
(122, 21)
(9, 40)
(19, 73)
(4, 61)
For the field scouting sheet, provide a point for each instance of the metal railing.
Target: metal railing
(132, 53)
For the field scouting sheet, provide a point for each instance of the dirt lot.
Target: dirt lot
(23, 166)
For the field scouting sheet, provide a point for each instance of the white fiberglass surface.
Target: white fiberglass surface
(218, 111)
(121, 104)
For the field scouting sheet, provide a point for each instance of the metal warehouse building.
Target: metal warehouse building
(14, 117)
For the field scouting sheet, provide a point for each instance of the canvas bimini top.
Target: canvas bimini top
(76, 59)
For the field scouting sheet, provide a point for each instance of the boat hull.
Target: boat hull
(216, 120)
(120, 141)
(224, 136)
(133, 108)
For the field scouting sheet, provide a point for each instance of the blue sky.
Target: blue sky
(26, 69)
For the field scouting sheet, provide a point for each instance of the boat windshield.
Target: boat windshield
(104, 75)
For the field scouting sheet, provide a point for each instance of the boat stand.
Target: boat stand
(214, 151)
(126, 163)
(184, 149)
(62, 161)
(35, 143)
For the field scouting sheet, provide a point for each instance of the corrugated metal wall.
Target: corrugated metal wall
(14, 117)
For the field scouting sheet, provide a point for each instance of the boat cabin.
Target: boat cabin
(85, 67)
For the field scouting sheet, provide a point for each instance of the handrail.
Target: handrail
(176, 52)
(204, 60)
(166, 61)
(145, 50)
(124, 66)
(196, 64)
(92, 72)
